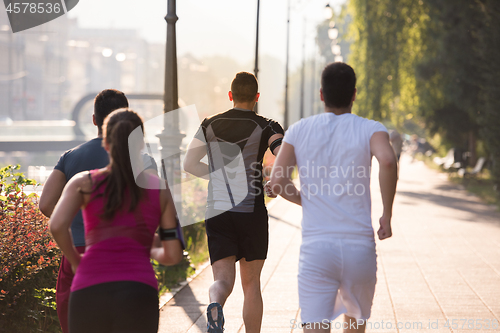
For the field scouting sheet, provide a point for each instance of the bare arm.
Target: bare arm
(281, 176)
(170, 251)
(192, 162)
(275, 151)
(381, 148)
(60, 221)
(51, 192)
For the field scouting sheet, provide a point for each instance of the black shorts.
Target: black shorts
(244, 235)
(121, 306)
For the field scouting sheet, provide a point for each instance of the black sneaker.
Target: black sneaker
(215, 326)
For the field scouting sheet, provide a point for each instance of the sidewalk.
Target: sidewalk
(442, 263)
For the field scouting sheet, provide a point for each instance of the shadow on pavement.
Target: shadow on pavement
(187, 300)
(479, 212)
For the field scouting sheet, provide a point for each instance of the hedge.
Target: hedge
(29, 258)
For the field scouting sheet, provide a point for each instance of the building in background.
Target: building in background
(45, 70)
(33, 70)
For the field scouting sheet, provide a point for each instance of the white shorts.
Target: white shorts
(336, 276)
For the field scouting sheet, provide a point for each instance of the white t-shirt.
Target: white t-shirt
(334, 163)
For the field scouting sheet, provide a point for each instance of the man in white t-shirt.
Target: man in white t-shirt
(333, 152)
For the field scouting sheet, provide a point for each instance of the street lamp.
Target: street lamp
(333, 34)
(171, 137)
(285, 116)
(107, 52)
(303, 72)
(336, 49)
(328, 12)
(10, 62)
(256, 69)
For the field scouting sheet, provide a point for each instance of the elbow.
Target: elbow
(188, 167)
(54, 229)
(177, 258)
(174, 259)
(389, 163)
(44, 208)
(171, 258)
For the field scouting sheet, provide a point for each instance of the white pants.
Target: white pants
(336, 276)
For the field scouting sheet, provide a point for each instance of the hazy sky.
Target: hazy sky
(217, 27)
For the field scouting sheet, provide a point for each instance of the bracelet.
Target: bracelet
(168, 234)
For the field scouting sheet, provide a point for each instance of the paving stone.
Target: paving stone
(442, 263)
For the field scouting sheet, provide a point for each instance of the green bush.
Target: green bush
(29, 259)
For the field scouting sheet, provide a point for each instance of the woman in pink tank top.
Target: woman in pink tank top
(115, 288)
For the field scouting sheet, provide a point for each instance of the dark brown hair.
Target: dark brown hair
(244, 87)
(121, 187)
(338, 82)
(106, 102)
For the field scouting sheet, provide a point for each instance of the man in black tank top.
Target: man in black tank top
(236, 219)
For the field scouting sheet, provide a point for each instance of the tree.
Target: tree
(436, 60)
(387, 45)
(489, 115)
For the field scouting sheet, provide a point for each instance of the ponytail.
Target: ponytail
(121, 188)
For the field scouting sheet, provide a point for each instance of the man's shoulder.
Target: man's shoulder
(264, 119)
(86, 145)
(86, 153)
(224, 114)
(359, 118)
(235, 114)
(302, 122)
(370, 124)
(215, 116)
(94, 144)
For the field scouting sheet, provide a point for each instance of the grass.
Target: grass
(170, 277)
(196, 245)
(480, 185)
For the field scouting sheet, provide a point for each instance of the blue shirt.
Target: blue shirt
(87, 156)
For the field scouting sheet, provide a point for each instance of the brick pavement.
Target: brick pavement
(442, 263)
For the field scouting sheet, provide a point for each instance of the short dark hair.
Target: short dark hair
(338, 82)
(106, 102)
(244, 87)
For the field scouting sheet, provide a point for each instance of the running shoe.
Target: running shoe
(215, 326)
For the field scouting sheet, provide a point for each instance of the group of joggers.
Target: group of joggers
(108, 227)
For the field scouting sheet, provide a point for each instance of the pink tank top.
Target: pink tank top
(119, 249)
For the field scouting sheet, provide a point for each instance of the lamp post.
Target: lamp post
(9, 86)
(328, 11)
(171, 137)
(286, 115)
(303, 72)
(333, 34)
(171, 95)
(256, 69)
(313, 83)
